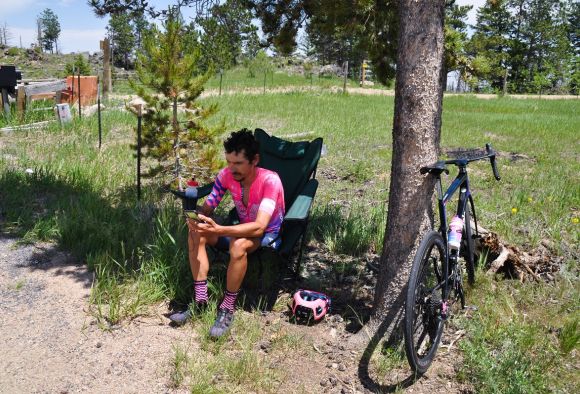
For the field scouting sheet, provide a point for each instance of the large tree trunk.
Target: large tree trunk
(416, 135)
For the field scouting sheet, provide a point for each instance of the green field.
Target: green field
(524, 338)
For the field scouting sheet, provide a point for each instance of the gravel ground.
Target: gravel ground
(50, 344)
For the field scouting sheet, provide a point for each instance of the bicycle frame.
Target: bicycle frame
(461, 183)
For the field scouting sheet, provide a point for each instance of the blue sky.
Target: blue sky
(81, 30)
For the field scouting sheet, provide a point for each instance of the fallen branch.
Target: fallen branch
(499, 261)
(510, 260)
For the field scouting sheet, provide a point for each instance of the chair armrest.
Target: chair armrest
(301, 207)
(202, 191)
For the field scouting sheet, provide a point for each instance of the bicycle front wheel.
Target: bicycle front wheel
(467, 247)
(423, 322)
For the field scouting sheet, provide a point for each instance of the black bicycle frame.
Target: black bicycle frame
(461, 183)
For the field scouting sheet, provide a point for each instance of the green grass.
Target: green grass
(237, 79)
(84, 199)
(227, 365)
(521, 338)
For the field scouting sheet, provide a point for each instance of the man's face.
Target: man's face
(240, 166)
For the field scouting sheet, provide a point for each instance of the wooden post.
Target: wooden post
(139, 116)
(99, 110)
(345, 76)
(5, 102)
(79, 86)
(265, 74)
(21, 102)
(363, 73)
(106, 48)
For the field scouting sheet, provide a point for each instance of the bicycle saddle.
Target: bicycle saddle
(436, 168)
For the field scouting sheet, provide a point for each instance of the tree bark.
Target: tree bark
(416, 136)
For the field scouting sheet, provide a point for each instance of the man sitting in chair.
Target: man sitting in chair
(259, 199)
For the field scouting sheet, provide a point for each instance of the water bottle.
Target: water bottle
(454, 236)
(191, 190)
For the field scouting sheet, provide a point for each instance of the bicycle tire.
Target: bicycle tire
(423, 325)
(467, 247)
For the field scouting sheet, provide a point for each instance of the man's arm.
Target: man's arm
(254, 229)
(206, 209)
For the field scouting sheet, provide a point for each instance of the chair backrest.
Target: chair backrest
(295, 162)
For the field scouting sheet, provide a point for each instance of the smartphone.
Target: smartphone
(192, 215)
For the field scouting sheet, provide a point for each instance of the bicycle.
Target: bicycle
(435, 283)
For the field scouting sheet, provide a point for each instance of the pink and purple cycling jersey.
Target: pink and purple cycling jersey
(266, 194)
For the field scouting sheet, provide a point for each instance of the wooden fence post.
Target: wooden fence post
(106, 48)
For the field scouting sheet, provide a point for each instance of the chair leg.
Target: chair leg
(301, 251)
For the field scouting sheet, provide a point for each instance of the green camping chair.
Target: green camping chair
(295, 163)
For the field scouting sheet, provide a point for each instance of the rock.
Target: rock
(333, 381)
(324, 382)
(341, 367)
(98, 345)
(334, 365)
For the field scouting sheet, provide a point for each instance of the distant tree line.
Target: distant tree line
(524, 46)
(516, 46)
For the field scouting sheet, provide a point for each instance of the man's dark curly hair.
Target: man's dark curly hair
(242, 140)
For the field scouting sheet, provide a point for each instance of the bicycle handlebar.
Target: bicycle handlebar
(490, 155)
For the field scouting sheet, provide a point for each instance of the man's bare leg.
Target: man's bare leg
(198, 260)
(239, 249)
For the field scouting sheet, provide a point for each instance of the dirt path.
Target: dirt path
(352, 90)
(50, 344)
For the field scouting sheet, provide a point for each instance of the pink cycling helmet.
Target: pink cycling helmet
(308, 304)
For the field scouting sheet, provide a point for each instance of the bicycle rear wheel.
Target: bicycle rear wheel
(467, 248)
(423, 322)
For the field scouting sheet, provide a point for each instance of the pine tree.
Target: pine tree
(455, 40)
(169, 81)
(490, 44)
(50, 30)
(121, 34)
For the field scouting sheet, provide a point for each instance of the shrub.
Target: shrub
(13, 51)
(79, 63)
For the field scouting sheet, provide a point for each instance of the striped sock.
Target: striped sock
(200, 287)
(229, 301)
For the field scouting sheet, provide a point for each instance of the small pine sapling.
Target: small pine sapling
(175, 139)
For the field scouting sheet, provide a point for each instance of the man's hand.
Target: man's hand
(206, 225)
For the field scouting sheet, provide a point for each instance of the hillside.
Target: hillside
(38, 65)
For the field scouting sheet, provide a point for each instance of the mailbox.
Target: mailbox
(8, 78)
